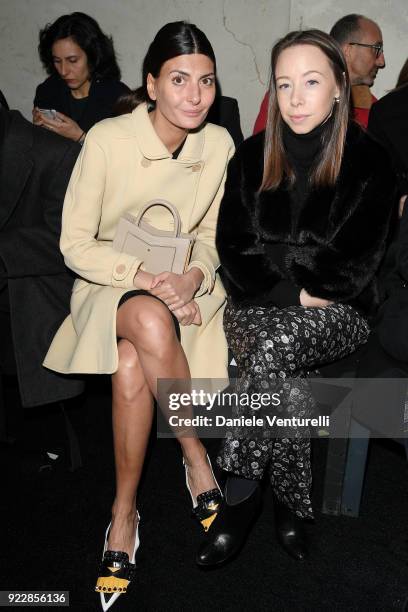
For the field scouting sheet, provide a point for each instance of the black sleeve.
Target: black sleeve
(248, 274)
(285, 293)
(43, 98)
(37, 97)
(34, 251)
(341, 269)
(377, 127)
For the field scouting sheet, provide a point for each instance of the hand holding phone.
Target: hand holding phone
(49, 113)
(58, 123)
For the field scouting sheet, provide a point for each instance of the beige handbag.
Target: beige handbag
(159, 250)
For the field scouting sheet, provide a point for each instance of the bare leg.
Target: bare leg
(149, 350)
(132, 413)
(152, 333)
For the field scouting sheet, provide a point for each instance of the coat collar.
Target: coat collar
(152, 147)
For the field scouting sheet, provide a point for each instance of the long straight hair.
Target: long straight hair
(276, 163)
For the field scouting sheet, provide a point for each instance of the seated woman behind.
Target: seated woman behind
(301, 232)
(124, 320)
(84, 81)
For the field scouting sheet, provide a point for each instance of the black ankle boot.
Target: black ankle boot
(290, 531)
(229, 531)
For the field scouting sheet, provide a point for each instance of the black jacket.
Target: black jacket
(338, 243)
(53, 93)
(35, 166)
(388, 123)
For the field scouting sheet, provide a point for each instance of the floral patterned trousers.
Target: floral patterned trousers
(271, 346)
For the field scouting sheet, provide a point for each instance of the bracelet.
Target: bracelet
(82, 137)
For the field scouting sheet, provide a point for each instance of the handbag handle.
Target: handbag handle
(170, 207)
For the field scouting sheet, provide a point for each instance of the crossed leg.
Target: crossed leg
(148, 349)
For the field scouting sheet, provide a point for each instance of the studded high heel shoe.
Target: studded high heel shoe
(207, 504)
(116, 571)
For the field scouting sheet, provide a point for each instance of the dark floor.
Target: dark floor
(54, 523)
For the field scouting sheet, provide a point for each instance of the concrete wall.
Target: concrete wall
(241, 31)
(391, 16)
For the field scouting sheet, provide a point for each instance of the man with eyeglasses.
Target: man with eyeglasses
(362, 44)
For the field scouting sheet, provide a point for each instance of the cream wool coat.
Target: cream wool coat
(122, 166)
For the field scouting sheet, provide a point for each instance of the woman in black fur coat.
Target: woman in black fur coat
(301, 232)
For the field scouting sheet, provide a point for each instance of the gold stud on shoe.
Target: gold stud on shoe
(207, 504)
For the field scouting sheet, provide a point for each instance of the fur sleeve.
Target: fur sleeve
(247, 272)
(344, 266)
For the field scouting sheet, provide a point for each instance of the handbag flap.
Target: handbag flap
(159, 250)
(154, 230)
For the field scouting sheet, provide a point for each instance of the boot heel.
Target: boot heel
(290, 531)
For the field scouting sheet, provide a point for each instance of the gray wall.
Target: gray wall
(241, 31)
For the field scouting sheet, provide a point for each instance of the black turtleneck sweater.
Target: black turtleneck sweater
(303, 152)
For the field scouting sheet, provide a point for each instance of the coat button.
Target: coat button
(120, 268)
(196, 168)
(145, 162)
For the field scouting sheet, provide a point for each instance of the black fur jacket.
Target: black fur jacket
(340, 236)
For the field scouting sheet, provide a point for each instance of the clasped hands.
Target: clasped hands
(63, 125)
(176, 291)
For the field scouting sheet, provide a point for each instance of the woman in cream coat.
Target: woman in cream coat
(170, 154)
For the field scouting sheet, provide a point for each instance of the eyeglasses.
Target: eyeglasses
(377, 48)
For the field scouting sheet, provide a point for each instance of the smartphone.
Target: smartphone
(49, 113)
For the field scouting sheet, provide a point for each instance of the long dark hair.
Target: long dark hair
(87, 34)
(173, 39)
(276, 164)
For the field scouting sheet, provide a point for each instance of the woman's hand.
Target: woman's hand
(143, 280)
(189, 314)
(63, 125)
(313, 302)
(176, 290)
(37, 116)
